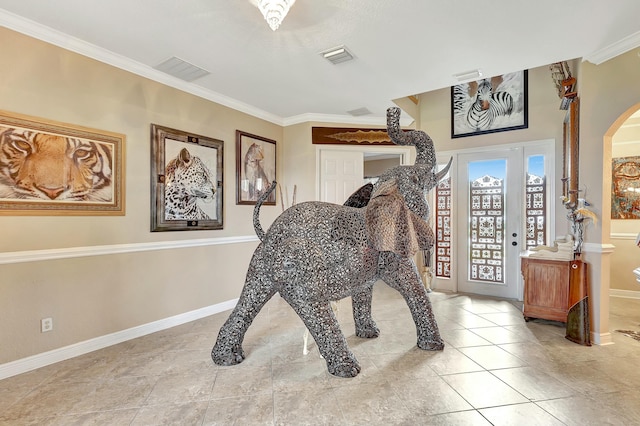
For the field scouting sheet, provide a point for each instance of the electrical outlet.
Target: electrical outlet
(46, 324)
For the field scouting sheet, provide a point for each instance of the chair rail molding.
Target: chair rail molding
(74, 252)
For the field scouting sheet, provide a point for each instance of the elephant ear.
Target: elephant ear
(392, 226)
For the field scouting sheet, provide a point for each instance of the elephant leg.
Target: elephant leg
(402, 274)
(256, 292)
(361, 302)
(321, 322)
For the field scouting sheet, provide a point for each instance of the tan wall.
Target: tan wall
(607, 91)
(374, 168)
(609, 94)
(93, 296)
(624, 260)
(299, 158)
(545, 122)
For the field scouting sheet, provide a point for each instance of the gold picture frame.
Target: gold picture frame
(50, 168)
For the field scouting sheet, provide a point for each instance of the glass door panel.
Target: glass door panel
(488, 226)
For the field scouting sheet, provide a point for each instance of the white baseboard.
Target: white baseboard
(601, 339)
(51, 357)
(627, 294)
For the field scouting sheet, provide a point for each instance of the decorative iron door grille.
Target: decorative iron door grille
(486, 233)
(443, 229)
(536, 198)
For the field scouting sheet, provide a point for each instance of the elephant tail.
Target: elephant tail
(256, 210)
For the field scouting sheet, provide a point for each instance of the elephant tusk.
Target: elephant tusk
(442, 173)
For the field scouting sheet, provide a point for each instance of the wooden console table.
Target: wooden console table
(547, 287)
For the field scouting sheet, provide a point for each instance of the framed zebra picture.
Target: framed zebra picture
(489, 105)
(186, 181)
(50, 168)
(255, 168)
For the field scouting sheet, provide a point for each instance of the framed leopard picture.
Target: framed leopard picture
(186, 181)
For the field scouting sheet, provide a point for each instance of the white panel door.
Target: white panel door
(341, 174)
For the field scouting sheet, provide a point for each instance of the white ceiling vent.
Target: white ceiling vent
(181, 69)
(359, 112)
(468, 75)
(337, 55)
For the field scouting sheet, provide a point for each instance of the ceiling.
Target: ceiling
(401, 47)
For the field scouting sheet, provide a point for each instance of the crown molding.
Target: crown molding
(615, 49)
(81, 47)
(65, 41)
(343, 119)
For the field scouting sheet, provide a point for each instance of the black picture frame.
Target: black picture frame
(490, 115)
(263, 161)
(176, 155)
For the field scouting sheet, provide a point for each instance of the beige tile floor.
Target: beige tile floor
(496, 369)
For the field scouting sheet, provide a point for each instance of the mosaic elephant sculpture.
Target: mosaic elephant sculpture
(317, 252)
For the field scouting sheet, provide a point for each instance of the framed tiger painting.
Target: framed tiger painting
(186, 181)
(53, 168)
(490, 105)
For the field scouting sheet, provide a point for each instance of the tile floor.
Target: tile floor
(496, 369)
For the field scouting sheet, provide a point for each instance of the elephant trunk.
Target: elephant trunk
(425, 153)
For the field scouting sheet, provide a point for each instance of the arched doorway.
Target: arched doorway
(622, 151)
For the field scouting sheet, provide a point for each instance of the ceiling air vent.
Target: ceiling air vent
(468, 75)
(360, 111)
(181, 69)
(337, 55)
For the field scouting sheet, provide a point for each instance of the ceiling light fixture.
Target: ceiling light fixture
(274, 11)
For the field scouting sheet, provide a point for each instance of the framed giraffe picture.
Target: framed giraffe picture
(186, 181)
(489, 105)
(255, 168)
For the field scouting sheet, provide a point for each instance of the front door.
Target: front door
(490, 192)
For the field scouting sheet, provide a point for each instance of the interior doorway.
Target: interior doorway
(343, 169)
(624, 199)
